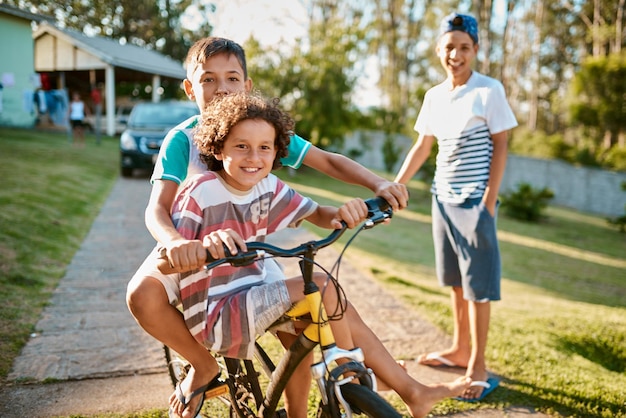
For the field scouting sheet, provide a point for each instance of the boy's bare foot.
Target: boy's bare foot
(443, 358)
(421, 405)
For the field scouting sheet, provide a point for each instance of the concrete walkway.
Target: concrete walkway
(88, 356)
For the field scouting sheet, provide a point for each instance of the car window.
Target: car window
(161, 114)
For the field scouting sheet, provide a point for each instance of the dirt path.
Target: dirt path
(97, 360)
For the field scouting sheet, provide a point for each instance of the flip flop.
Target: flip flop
(435, 357)
(487, 386)
(184, 400)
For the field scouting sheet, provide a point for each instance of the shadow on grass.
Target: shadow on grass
(567, 278)
(399, 281)
(597, 350)
(552, 401)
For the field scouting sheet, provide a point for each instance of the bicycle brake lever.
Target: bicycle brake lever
(378, 210)
(376, 219)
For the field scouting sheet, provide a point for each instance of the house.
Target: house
(75, 62)
(41, 67)
(18, 79)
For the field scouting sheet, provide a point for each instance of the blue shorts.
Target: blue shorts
(466, 249)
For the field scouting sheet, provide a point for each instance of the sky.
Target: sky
(270, 21)
(274, 22)
(279, 21)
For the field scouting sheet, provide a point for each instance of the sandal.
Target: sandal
(184, 400)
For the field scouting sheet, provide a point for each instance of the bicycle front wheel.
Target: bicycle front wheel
(366, 402)
(363, 401)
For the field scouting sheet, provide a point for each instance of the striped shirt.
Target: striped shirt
(463, 120)
(215, 303)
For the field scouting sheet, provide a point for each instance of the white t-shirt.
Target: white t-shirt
(463, 120)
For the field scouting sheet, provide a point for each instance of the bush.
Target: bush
(391, 153)
(537, 144)
(620, 221)
(526, 203)
(615, 158)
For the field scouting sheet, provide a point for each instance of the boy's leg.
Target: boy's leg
(479, 315)
(481, 286)
(149, 303)
(419, 398)
(449, 274)
(459, 352)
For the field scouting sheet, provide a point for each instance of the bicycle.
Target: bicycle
(242, 391)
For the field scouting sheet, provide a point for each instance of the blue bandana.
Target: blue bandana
(464, 23)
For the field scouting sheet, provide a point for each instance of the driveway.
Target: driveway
(88, 356)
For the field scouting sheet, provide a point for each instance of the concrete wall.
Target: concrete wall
(585, 189)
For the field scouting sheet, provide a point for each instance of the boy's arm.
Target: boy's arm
(496, 171)
(415, 158)
(349, 171)
(352, 213)
(184, 255)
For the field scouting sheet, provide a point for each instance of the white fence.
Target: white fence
(584, 189)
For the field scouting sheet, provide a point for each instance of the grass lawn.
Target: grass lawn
(51, 193)
(558, 338)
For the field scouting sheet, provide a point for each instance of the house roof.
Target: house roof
(23, 14)
(116, 54)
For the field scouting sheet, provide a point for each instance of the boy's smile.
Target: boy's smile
(248, 154)
(456, 51)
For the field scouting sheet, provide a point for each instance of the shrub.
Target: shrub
(526, 203)
(539, 145)
(620, 221)
(615, 158)
(391, 153)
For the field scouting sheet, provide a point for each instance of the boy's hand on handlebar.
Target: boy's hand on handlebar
(395, 193)
(215, 241)
(352, 213)
(185, 255)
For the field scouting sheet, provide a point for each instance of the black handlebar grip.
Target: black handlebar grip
(210, 259)
(377, 204)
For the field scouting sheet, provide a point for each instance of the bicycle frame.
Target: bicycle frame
(318, 332)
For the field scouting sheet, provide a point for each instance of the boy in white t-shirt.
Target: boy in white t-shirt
(469, 116)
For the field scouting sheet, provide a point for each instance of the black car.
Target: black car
(148, 125)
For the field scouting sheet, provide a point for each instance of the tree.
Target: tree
(598, 92)
(604, 22)
(315, 79)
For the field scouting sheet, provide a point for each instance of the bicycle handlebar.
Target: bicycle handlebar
(378, 210)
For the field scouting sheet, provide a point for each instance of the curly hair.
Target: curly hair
(224, 113)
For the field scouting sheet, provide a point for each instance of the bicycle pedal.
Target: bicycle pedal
(216, 391)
